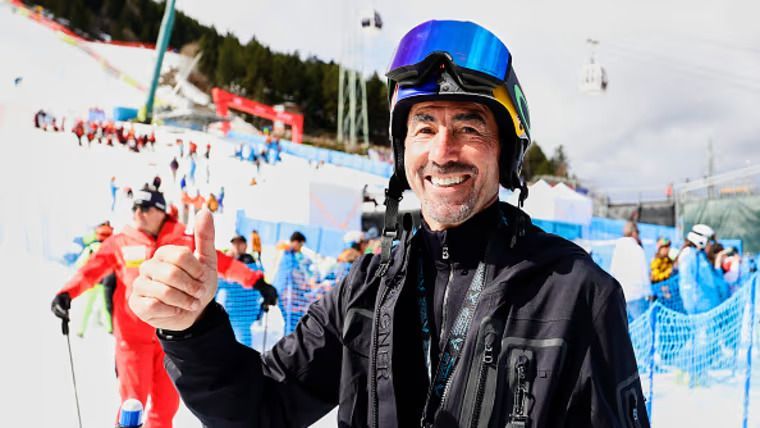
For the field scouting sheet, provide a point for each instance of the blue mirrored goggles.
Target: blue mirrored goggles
(476, 53)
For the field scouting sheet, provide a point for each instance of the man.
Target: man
(139, 358)
(478, 319)
(240, 250)
(629, 267)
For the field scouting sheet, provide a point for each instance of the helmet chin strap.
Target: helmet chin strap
(523, 194)
(393, 195)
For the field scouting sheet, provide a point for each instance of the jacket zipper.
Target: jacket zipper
(445, 315)
(518, 418)
(485, 363)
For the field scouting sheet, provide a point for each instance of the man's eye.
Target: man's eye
(425, 130)
(469, 130)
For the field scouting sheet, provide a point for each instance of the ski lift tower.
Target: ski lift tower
(353, 122)
(593, 75)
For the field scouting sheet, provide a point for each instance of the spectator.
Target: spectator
(212, 203)
(702, 287)
(191, 170)
(114, 189)
(240, 250)
(727, 261)
(629, 267)
(662, 264)
(220, 199)
(661, 267)
(256, 245)
(297, 239)
(174, 166)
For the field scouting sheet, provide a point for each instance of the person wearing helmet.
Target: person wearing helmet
(139, 358)
(476, 319)
(702, 287)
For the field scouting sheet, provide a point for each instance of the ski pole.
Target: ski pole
(65, 331)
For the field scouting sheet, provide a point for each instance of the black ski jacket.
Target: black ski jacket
(548, 347)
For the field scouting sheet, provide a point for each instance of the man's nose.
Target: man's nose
(444, 147)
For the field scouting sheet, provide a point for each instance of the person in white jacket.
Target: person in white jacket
(629, 267)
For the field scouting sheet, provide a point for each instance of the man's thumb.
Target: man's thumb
(205, 250)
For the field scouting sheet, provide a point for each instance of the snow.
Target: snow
(52, 190)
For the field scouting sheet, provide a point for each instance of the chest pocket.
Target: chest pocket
(528, 375)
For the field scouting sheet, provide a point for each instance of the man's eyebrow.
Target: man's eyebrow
(471, 116)
(422, 117)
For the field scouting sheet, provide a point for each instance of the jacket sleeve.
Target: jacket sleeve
(228, 385)
(609, 376)
(236, 271)
(97, 266)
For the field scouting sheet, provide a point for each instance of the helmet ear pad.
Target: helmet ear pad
(512, 148)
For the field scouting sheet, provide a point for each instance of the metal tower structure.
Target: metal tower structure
(353, 122)
(352, 108)
(164, 34)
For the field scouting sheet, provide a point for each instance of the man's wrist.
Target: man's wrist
(212, 316)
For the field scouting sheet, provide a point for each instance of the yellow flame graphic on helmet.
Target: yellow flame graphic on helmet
(502, 96)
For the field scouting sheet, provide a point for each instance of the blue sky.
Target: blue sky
(681, 73)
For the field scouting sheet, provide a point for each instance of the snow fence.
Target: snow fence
(701, 350)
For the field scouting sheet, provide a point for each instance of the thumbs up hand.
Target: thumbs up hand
(176, 285)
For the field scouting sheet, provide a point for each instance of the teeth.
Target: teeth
(446, 181)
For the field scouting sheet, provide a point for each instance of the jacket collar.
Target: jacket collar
(464, 244)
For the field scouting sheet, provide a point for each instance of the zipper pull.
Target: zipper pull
(488, 351)
(445, 252)
(518, 418)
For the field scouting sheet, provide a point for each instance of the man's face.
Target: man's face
(148, 219)
(240, 246)
(451, 160)
(296, 245)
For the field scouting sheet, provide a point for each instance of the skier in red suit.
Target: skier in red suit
(139, 357)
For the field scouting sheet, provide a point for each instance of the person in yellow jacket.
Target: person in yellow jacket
(661, 267)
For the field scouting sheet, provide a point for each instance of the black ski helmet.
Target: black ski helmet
(459, 61)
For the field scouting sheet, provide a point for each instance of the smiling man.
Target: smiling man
(477, 319)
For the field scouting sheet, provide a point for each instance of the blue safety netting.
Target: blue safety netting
(243, 306)
(700, 350)
(668, 294)
(317, 154)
